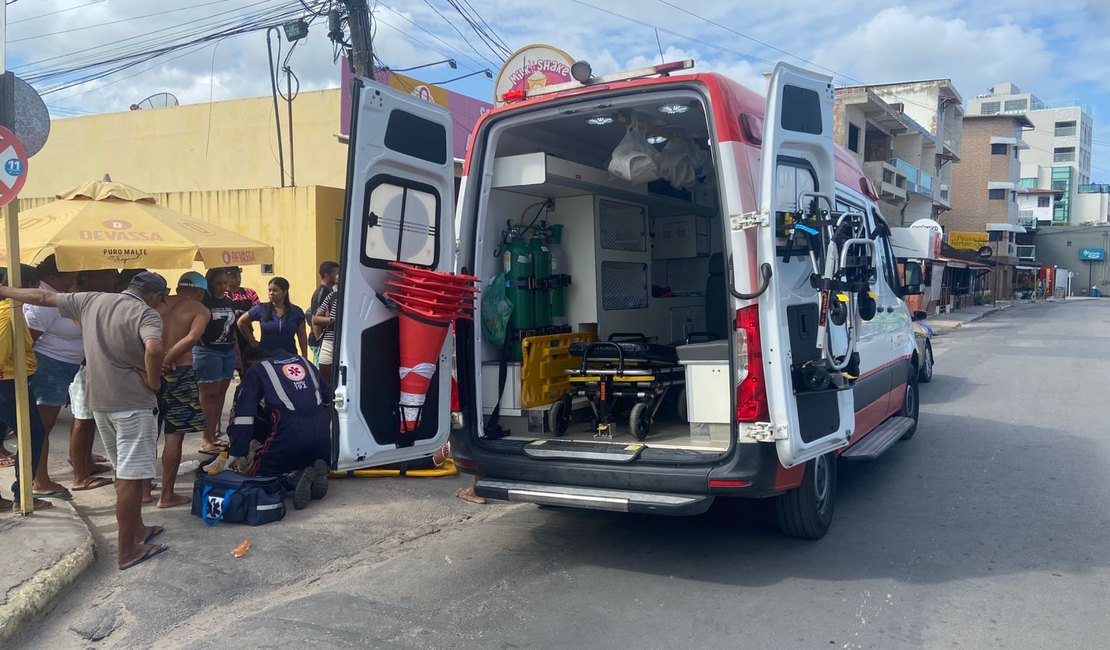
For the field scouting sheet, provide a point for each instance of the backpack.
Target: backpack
(238, 499)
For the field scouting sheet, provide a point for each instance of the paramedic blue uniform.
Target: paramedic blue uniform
(282, 403)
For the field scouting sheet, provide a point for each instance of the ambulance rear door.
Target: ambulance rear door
(399, 207)
(798, 161)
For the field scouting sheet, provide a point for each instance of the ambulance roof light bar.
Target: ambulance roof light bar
(583, 75)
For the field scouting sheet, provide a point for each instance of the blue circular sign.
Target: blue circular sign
(13, 167)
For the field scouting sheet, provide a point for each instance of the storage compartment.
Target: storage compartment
(636, 255)
(708, 385)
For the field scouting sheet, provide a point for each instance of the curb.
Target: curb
(30, 599)
(949, 330)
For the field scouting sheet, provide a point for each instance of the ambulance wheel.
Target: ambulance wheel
(925, 375)
(558, 416)
(807, 510)
(640, 420)
(911, 406)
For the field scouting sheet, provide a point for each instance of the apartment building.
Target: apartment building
(1058, 155)
(906, 136)
(985, 190)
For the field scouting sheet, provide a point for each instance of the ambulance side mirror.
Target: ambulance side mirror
(911, 279)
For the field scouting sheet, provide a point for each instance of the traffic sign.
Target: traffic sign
(13, 166)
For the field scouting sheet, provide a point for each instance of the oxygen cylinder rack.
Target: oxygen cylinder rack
(533, 284)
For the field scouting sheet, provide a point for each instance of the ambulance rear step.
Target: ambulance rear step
(593, 498)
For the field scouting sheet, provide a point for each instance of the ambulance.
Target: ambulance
(687, 292)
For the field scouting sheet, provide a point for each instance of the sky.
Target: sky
(1057, 50)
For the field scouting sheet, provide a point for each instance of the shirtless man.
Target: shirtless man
(184, 320)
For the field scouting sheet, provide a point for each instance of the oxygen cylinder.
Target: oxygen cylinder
(518, 274)
(560, 276)
(541, 270)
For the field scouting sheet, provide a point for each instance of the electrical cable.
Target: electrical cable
(116, 22)
(461, 35)
(59, 11)
(429, 33)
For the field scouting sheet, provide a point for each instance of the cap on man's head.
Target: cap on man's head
(150, 282)
(192, 280)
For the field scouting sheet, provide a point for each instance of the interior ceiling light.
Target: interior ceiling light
(673, 109)
(656, 139)
(599, 120)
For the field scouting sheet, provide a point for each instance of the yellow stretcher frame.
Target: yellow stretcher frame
(448, 469)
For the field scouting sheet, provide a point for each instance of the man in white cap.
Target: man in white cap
(123, 354)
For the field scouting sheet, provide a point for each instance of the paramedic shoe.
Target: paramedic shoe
(302, 487)
(319, 488)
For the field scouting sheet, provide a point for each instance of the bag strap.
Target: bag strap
(493, 430)
(212, 521)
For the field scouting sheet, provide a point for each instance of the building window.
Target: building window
(996, 195)
(853, 137)
(1030, 183)
(1016, 106)
(998, 150)
(1043, 201)
(1063, 154)
(989, 108)
(1065, 129)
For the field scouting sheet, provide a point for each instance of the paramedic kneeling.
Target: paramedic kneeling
(282, 404)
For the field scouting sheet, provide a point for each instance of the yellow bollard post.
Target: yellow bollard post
(19, 352)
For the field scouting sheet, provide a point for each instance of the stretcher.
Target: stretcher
(625, 368)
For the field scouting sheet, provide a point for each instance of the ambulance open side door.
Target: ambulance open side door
(399, 207)
(798, 165)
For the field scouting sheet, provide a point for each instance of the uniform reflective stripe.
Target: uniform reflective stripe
(243, 420)
(278, 388)
(273, 506)
(316, 384)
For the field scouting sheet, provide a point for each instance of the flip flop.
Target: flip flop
(61, 495)
(7, 461)
(97, 458)
(208, 452)
(92, 483)
(38, 503)
(155, 531)
(151, 551)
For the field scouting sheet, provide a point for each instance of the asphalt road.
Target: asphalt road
(988, 529)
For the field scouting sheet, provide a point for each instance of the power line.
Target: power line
(459, 32)
(429, 33)
(115, 22)
(59, 11)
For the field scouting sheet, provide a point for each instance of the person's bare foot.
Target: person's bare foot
(174, 500)
(148, 498)
(49, 488)
(467, 494)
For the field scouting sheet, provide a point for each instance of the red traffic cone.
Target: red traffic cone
(420, 345)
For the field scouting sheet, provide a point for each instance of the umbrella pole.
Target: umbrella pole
(19, 352)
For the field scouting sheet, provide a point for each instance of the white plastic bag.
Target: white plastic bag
(676, 164)
(634, 160)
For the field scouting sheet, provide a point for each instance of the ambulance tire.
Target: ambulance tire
(639, 421)
(911, 405)
(807, 510)
(925, 375)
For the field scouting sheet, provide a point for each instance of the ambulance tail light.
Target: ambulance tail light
(751, 391)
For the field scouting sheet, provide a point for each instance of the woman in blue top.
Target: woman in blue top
(279, 321)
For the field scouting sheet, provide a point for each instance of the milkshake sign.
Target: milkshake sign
(532, 68)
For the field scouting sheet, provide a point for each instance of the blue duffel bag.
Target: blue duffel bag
(234, 498)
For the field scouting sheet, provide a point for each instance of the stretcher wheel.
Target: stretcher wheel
(681, 406)
(558, 416)
(640, 421)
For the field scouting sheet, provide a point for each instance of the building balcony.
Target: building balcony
(889, 181)
(951, 143)
(1027, 219)
(943, 196)
(917, 181)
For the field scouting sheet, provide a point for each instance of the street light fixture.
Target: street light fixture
(450, 62)
(487, 72)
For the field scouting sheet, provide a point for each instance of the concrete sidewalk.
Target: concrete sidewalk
(44, 553)
(947, 323)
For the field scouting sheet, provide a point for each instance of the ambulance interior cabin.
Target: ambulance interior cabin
(605, 219)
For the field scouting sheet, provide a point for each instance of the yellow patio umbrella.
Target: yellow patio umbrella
(103, 224)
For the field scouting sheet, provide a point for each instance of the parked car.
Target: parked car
(922, 335)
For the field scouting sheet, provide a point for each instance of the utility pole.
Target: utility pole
(362, 47)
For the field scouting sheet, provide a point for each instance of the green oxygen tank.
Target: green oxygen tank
(559, 276)
(541, 270)
(517, 259)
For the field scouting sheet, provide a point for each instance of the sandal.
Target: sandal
(92, 483)
(151, 551)
(38, 504)
(61, 495)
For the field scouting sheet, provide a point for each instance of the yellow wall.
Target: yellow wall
(300, 223)
(220, 146)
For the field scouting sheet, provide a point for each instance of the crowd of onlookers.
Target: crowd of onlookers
(133, 361)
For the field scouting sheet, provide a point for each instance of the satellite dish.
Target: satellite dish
(160, 100)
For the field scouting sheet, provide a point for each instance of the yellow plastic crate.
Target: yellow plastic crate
(543, 375)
